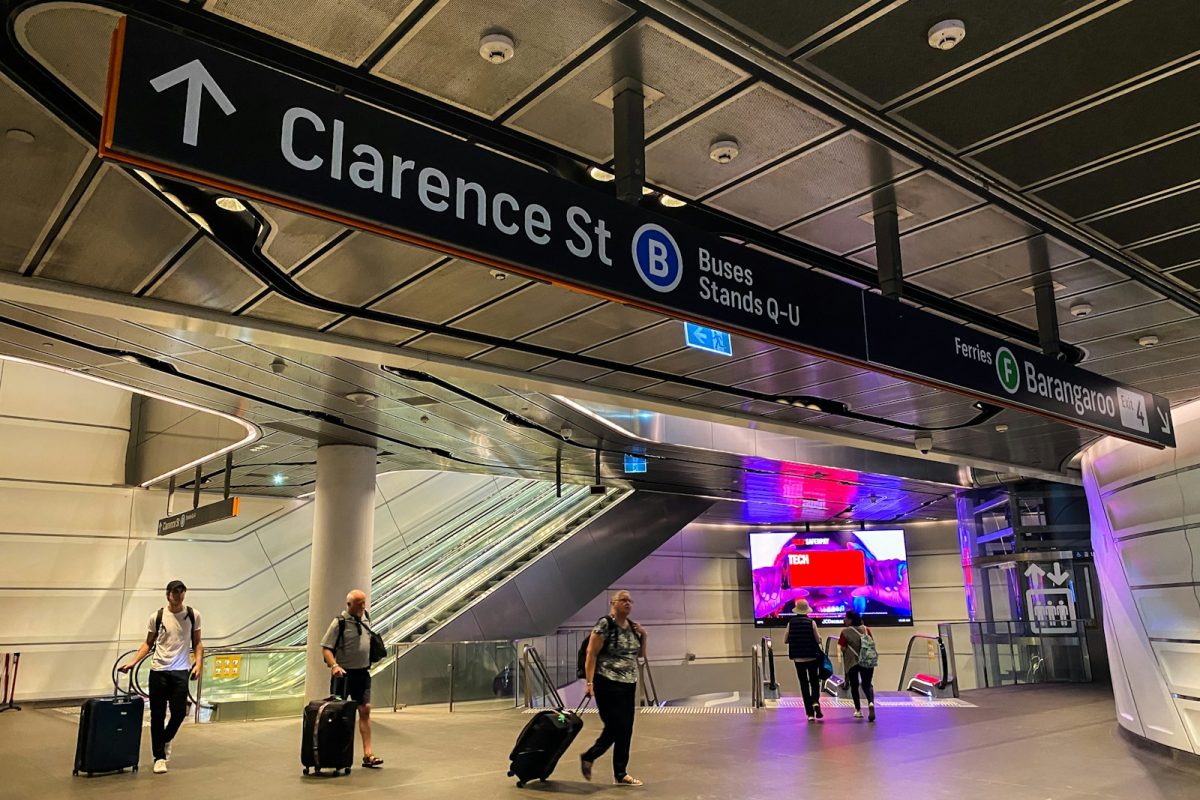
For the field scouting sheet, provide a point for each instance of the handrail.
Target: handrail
(768, 656)
(756, 688)
(943, 678)
(646, 681)
(532, 662)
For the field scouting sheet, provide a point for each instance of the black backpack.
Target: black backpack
(581, 662)
(378, 646)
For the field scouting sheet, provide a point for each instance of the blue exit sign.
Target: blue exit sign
(702, 338)
(634, 463)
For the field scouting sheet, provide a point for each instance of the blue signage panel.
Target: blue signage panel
(710, 339)
(635, 463)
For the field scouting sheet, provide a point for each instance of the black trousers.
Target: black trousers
(167, 687)
(615, 702)
(856, 675)
(809, 673)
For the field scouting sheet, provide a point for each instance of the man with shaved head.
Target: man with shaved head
(347, 651)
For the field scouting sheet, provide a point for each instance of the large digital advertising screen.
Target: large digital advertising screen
(835, 571)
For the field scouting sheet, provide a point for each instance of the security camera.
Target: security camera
(566, 432)
(923, 442)
(278, 366)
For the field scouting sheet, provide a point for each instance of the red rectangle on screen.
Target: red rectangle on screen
(827, 568)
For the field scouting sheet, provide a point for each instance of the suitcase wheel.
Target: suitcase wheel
(135, 769)
(75, 772)
(520, 784)
(347, 771)
(306, 770)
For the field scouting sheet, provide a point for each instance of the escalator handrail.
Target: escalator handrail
(768, 656)
(756, 689)
(943, 679)
(649, 690)
(135, 683)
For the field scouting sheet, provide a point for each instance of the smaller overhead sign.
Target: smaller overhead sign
(634, 463)
(195, 517)
(710, 339)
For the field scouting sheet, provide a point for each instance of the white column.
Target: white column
(343, 543)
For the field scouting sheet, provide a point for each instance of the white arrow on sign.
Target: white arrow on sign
(1166, 422)
(1058, 576)
(1034, 571)
(198, 79)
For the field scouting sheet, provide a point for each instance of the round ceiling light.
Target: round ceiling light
(1001, 428)
(496, 48)
(231, 204)
(19, 135)
(597, 174)
(499, 274)
(671, 202)
(1148, 340)
(1081, 309)
(946, 34)
(360, 398)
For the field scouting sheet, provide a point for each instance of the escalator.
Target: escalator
(936, 678)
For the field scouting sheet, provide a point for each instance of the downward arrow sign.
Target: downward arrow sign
(1058, 576)
(1166, 422)
(1035, 571)
(198, 80)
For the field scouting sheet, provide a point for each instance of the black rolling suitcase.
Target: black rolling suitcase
(328, 739)
(542, 743)
(110, 733)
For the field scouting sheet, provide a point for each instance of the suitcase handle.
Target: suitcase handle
(582, 704)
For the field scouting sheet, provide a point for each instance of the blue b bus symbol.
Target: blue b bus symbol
(657, 258)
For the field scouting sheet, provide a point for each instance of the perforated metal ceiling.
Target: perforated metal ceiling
(1108, 147)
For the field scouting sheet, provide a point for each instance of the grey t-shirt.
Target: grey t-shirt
(354, 651)
(618, 658)
(173, 646)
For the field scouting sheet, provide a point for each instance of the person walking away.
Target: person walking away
(860, 657)
(173, 633)
(804, 649)
(346, 649)
(614, 646)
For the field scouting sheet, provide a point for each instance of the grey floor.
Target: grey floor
(1042, 743)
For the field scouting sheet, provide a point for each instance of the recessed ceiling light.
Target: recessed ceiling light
(258, 448)
(671, 202)
(901, 213)
(360, 398)
(1149, 340)
(19, 135)
(496, 48)
(597, 174)
(231, 204)
(646, 190)
(499, 274)
(1080, 309)
(278, 479)
(1055, 285)
(199, 220)
(1001, 428)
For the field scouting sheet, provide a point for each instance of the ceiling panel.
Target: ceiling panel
(1076, 278)
(439, 55)
(117, 237)
(568, 115)
(280, 309)
(765, 363)
(1011, 262)
(1153, 219)
(293, 238)
(446, 345)
(923, 198)
(362, 266)
(1103, 301)
(1172, 252)
(889, 56)
(1132, 320)
(72, 41)
(687, 360)
(823, 176)
(1124, 121)
(764, 122)
(622, 381)
(382, 332)
(646, 343)
(447, 291)
(346, 32)
(811, 377)
(1007, 85)
(570, 370)
(1168, 355)
(779, 23)
(955, 238)
(209, 277)
(1124, 343)
(511, 359)
(36, 174)
(535, 306)
(1126, 180)
(600, 324)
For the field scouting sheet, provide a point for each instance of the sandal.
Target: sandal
(628, 780)
(585, 767)
(371, 761)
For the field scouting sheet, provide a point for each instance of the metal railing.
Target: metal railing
(1011, 653)
(649, 692)
(942, 683)
(756, 677)
(770, 688)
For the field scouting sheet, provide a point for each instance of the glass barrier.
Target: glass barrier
(1009, 653)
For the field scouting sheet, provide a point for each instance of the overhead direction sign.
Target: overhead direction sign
(185, 108)
(201, 515)
(710, 339)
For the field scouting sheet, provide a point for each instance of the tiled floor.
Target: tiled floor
(1042, 743)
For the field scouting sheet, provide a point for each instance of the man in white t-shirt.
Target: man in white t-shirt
(172, 633)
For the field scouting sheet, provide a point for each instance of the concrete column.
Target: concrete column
(343, 543)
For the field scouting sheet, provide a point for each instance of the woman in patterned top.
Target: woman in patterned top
(614, 647)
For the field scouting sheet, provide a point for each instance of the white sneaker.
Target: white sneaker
(168, 758)
(160, 766)
(858, 715)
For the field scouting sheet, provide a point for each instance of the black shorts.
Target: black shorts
(357, 686)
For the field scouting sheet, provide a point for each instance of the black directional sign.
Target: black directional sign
(181, 107)
(201, 515)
